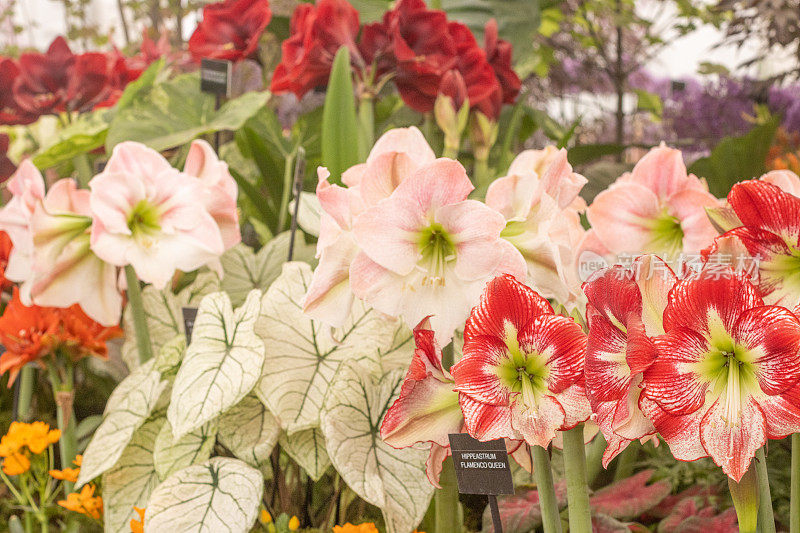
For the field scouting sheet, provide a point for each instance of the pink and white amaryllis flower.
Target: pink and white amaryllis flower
(768, 240)
(27, 188)
(395, 157)
(427, 250)
(65, 271)
(657, 208)
(624, 311)
(727, 372)
(427, 410)
(786, 180)
(521, 376)
(539, 200)
(151, 216)
(220, 189)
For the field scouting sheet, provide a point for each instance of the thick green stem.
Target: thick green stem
(83, 167)
(482, 172)
(446, 504)
(63, 394)
(139, 317)
(594, 457)
(450, 152)
(745, 499)
(580, 517)
(551, 520)
(627, 461)
(26, 377)
(366, 125)
(794, 505)
(766, 517)
(288, 179)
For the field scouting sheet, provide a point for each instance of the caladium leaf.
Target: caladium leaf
(630, 497)
(222, 364)
(169, 357)
(128, 407)
(303, 354)
(307, 448)
(222, 494)
(393, 480)
(163, 311)
(132, 479)
(245, 270)
(171, 455)
(250, 432)
(722, 523)
(520, 512)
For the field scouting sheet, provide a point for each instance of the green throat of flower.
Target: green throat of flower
(524, 373)
(143, 220)
(437, 249)
(666, 235)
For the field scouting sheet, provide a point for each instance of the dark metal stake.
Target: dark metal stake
(299, 175)
(498, 525)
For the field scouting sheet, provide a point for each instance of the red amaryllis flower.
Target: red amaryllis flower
(5, 252)
(10, 112)
(7, 167)
(483, 89)
(727, 372)
(521, 376)
(770, 234)
(423, 50)
(498, 53)
(60, 80)
(427, 410)
(317, 33)
(230, 29)
(121, 71)
(625, 309)
(30, 333)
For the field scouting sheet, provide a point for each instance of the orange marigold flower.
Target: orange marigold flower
(84, 502)
(137, 526)
(366, 527)
(15, 464)
(23, 439)
(69, 474)
(5, 251)
(30, 333)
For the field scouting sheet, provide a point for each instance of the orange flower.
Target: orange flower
(69, 474)
(23, 439)
(84, 502)
(30, 333)
(5, 251)
(137, 526)
(366, 527)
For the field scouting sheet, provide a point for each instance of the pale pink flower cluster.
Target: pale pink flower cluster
(69, 243)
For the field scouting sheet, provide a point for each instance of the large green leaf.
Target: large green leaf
(84, 135)
(303, 354)
(391, 479)
(131, 403)
(221, 495)
(176, 112)
(737, 158)
(340, 145)
(222, 364)
(132, 479)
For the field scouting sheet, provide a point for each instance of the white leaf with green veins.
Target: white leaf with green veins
(222, 364)
(132, 479)
(307, 448)
(250, 432)
(164, 316)
(246, 270)
(303, 354)
(169, 357)
(170, 455)
(391, 479)
(131, 403)
(221, 495)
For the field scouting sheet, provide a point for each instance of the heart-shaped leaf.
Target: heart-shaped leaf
(222, 364)
(171, 455)
(250, 432)
(520, 512)
(393, 480)
(631, 497)
(307, 448)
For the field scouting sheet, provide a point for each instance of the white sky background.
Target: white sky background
(43, 20)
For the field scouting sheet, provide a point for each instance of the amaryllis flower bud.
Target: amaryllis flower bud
(451, 109)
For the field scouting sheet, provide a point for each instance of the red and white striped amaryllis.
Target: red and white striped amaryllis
(521, 375)
(427, 410)
(727, 372)
(770, 234)
(624, 311)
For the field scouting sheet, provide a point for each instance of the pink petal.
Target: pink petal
(329, 297)
(136, 159)
(376, 285)
(681, 432)
(575, 404)
(475, 231)
(408, 141)
(786, 180)
(689, 207)
(538, 425)
(384, 173)
(439, 183)
(389, 234)
(433, 465)
(621, 215)
(661, 170)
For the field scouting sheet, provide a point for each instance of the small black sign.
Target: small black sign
(215, 76)
(481, 467)
(189, 315)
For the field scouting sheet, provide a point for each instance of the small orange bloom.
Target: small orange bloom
(137, 526)
(16, 464)
(84, 502)
(69, 474)
(23, 439)
(366, 527)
